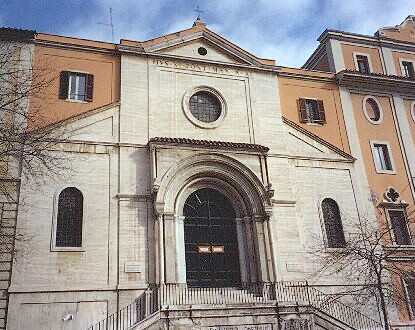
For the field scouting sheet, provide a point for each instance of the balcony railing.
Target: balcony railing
(298, 293)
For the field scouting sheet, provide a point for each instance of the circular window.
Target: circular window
(202, 51)
(204, 106)
(372, 110)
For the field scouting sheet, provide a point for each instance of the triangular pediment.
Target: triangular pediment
(187, 43)
(193, 49)
(304, 144)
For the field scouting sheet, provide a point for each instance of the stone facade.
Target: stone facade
(138, 160)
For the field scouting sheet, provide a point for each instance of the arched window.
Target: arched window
(333, 224)
(69, 220)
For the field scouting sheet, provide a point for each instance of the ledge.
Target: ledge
(209, 144)
(375, 81)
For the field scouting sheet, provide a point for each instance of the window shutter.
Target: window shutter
(64, 84)
(302, 111)
(321, 112)
(89, 87)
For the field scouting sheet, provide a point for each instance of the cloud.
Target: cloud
(285, 30)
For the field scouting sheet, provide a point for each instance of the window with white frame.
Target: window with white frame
(311, 111)
(372, 109)
(398, 222)
(382, 157)
(76, 86)
(407, 68)
(362, 62)
(409, 288)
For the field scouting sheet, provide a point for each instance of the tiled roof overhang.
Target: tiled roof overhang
(209, 144)
(375, 82)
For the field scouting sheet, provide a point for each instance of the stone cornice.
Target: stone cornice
(207, 144)
(365, 40)
(375, 82)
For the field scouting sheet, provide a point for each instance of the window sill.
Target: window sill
(399, 248)
(76, 101)
(315, 124)
(67, 249)
(393, 172)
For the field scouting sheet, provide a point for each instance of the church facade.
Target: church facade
(199, 177)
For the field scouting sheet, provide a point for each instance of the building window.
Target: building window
(362, 63)
(311, 111)
(76, 86)
(333, 224)
(382, 157)
(372, 110)
(69, 219)
(409, 288)
(398, 222)
(408, 69)
(205, 106)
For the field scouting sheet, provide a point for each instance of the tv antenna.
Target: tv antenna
(110, 24)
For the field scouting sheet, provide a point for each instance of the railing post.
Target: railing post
(147, 303)
(308, 293)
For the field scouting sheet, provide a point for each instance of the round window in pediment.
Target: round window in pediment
(205, 107)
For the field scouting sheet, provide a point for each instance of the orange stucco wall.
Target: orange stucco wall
(291, 89)
(397, 56)
(374, 54)
(104, 67)
(385, 131)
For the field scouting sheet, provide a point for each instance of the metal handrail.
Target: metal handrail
(299, 293)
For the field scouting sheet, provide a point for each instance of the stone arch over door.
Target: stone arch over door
(249, 199)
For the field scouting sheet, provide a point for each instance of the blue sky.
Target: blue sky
(284, 30)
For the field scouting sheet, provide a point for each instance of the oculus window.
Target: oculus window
(205, 107)
(372, 110)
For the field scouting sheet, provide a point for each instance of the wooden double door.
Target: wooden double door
(211, 244)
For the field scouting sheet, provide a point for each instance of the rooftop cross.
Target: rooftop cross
(198, 11)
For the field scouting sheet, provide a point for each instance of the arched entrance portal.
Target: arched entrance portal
(211, 244)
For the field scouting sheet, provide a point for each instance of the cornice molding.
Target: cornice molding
(375, 82)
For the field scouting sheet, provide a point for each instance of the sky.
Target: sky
(283, 30)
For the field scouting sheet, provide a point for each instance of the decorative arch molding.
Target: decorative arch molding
(227, 173)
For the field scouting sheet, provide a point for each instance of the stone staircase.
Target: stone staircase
(293, 305)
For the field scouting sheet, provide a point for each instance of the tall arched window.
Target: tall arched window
(333, 223)
(69, 220)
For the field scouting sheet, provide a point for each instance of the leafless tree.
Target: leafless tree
(369, 261)
(25, 140)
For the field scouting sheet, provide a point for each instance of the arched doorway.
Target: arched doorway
(211, 244)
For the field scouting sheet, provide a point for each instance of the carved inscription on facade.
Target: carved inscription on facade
(200, 67)
(241, 327)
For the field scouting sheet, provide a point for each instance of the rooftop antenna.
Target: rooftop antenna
(110, 24)
(339, 26)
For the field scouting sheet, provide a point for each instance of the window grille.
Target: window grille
(69, 220)
(333, 224)
(205, 107)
